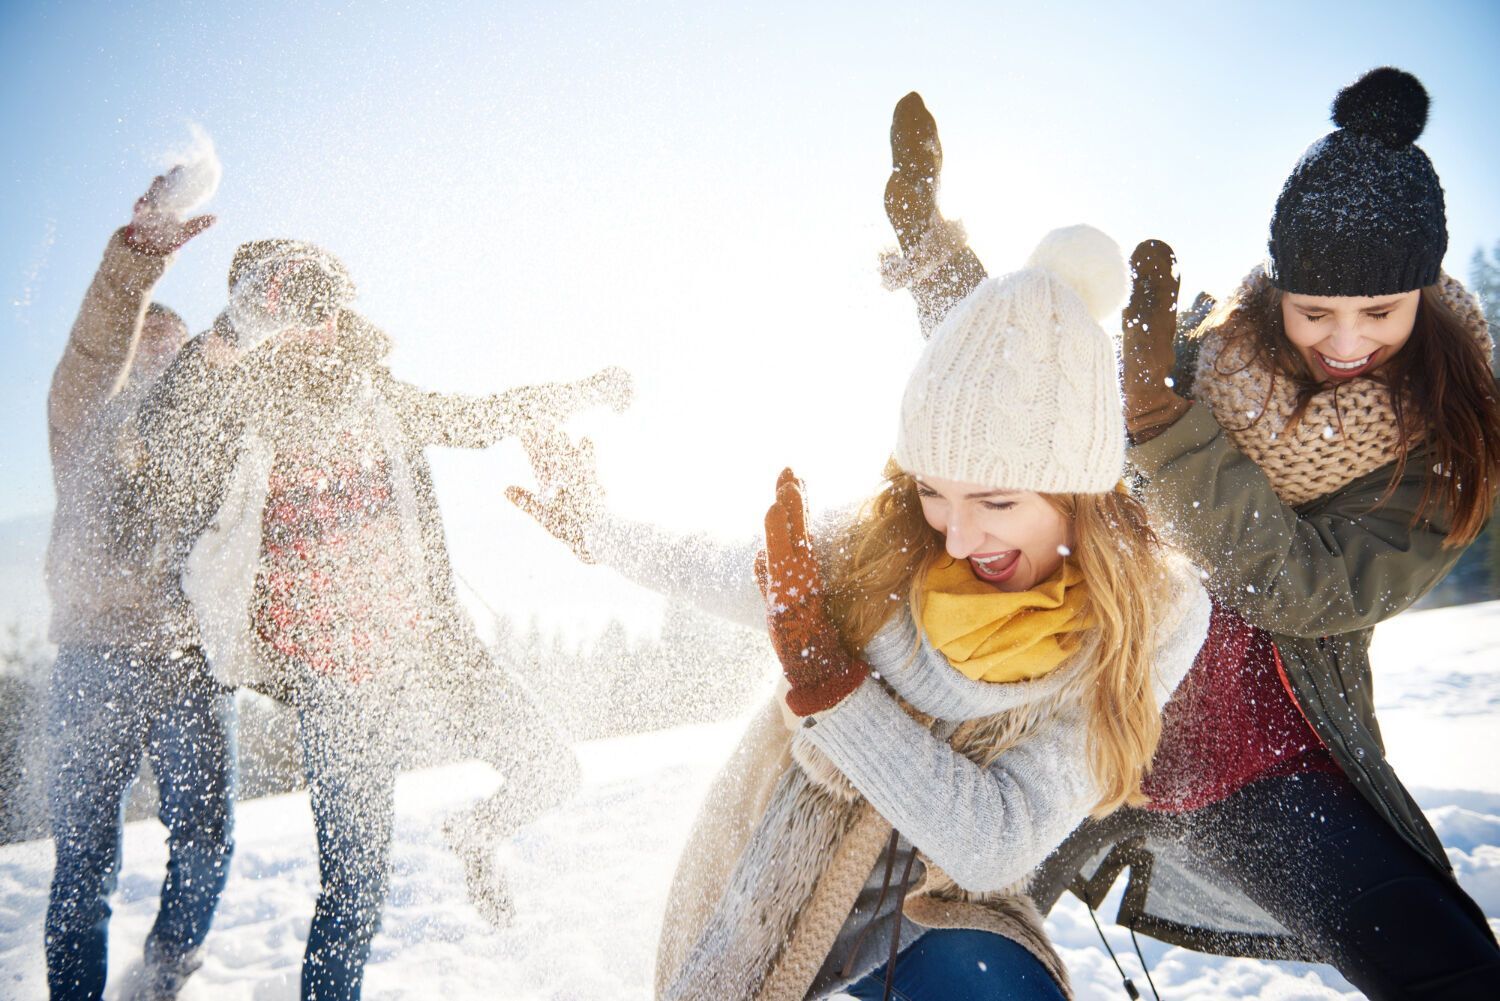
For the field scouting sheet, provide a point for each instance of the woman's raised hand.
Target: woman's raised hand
(1150, 329)
(935, 262)
(818, 669)
(568, 498)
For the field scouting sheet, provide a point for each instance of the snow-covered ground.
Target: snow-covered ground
(590, 880)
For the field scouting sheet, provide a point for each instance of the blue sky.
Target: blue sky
(692, 190)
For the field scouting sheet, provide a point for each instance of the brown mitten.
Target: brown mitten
(935, 262)
(1150, 329)
(821, 673)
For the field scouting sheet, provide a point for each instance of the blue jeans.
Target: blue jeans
(349, 758)
(107, 707)
(960, 964)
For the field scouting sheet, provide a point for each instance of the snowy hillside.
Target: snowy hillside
(590, 880)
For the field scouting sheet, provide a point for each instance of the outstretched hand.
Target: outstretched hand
(1149, 348)
(916, 166)
(935, 262)
(568, 499)
(813, 659)
(551, 403)
(155, 231)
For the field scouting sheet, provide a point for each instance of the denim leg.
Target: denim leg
(191, 742)
(1314, 854)
(351, 783)
(960, 964)
(98, 723)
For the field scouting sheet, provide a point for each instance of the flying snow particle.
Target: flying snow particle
(198, 179)
(1064, 551)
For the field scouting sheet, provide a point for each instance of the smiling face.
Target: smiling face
(1013, 540)
(1344, 336)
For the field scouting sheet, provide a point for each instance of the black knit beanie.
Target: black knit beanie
(1362, 212)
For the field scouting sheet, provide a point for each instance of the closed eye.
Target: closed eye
(999, 505)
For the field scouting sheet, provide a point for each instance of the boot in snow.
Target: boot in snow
(471, 838)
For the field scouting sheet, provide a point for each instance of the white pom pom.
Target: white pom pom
(1089, 263)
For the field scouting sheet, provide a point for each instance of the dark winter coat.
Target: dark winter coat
(1318, 578)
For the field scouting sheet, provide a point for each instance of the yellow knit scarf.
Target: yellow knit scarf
(992, 635)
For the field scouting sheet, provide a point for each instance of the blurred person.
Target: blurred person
(309, 541)
(130, 678)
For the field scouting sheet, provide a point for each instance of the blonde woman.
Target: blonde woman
(973, 663)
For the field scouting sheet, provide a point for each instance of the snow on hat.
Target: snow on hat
(1362, 212)
(1019, 387)
(275, 285)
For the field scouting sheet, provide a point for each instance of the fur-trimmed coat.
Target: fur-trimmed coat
(793, 829)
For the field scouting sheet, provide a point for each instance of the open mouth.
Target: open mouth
(994, 568)
(1340, 369)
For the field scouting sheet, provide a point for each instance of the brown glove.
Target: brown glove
(1150, 328)
(821, 673)
(935, 262)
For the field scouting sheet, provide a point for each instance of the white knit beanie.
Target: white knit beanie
(1019, 388)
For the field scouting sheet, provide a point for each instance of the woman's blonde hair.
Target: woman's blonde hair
(884, 555)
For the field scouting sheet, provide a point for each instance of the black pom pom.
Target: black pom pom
(1386, 103)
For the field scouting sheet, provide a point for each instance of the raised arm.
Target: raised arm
(710, 574)
(935, 263)
(101, 344)
(456, 420)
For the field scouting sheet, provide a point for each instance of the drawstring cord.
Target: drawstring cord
(1130, 987)
(890, 966)
(1144, 968)
(885, 885)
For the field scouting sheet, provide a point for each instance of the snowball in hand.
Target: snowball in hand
(197, 179)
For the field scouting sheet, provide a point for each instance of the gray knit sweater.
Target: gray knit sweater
(986, 827)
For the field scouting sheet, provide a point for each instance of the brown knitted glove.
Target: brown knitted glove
(935, 262)
(1150, 328)
(812, 656)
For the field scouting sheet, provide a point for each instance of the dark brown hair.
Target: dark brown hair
(1441, 389)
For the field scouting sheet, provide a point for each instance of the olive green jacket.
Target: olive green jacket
(1316, 577)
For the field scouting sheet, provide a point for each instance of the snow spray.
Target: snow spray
(197, 176)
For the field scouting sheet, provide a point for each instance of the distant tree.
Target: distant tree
(1484, 280)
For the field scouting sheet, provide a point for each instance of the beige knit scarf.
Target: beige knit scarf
(1343, 434)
